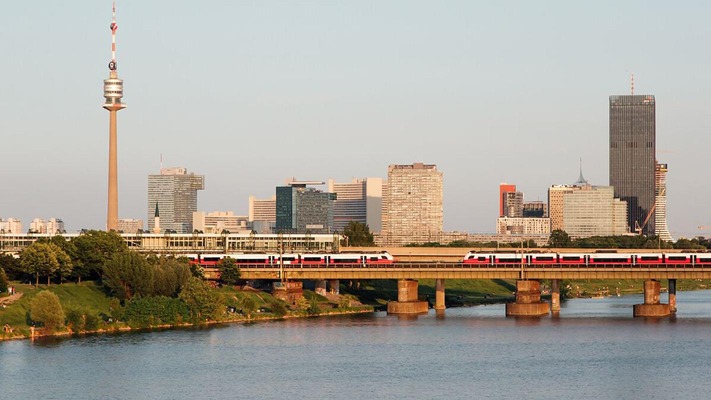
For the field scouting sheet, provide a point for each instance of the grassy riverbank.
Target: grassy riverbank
(91, 300)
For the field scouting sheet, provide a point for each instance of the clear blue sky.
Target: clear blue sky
(249, 93)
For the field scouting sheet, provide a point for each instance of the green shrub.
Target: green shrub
(150, 311)
(46, 309)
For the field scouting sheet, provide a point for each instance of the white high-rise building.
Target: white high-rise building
(660, 203)
(175, 191)
(11, 225)
(594, 211)
(219, 221)
(412, 205)
(361, 200)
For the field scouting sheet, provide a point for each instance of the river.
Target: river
(594, 350)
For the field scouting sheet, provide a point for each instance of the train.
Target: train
(295, 259)
(474, 258)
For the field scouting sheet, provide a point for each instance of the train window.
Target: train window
(539, 258)
(373, 258)
(650, 258)
(676, 258)
(482, 259)
(571, 258)
(312, 258)
(288, 258)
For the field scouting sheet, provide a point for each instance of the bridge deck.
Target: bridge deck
(460, 271)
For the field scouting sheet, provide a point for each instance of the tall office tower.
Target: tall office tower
(412, 201)
(38, 225)
(513, 204)
(660, 203)
(594, 211)
(175, 192)
(504, 188)
(360, 200)
(113, 93)
(632, 157)
(130, 225)
(304, 210)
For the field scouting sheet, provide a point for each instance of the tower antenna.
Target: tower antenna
(632, 83)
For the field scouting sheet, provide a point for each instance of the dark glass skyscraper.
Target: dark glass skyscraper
(632, 156)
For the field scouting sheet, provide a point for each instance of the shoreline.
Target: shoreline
(126, 329)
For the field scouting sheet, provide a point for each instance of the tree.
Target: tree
(170, 274)
(559, 238)
(12, 266)
(358, 234)
(229, 271)
(46, 309)
(65, 262)
(202, 301)
(3, 281)
(39, 259)
(93, 250)
(127, 275)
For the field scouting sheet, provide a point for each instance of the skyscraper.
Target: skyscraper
(412, 204)
(304, 210)
(660, 203)
(360, 200)
(632, 157)
(504, 188)
(175, 193)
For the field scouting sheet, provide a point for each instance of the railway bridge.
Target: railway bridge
(528, 294)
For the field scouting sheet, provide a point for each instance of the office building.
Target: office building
(513, 204)
(301, 209)
(412, 204)
(360, 200)
(535, 209)
(632, 157)
(504, 189)
(594, 211)
(51, 226)
(523, 226)
(262, 214)
(660, 203)
(175, 192)
(130, 225)
(219, 222)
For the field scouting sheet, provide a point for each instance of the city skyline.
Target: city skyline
(456, 79)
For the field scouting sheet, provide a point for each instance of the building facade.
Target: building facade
(523, 226)
(361, 200)
(219, 221)
(300, 209)
(555, 204)
(412, 204)
(535, 209)
(632, 157)
(504, 188)
(129, 225)
(11, 225)
(660, 203)
(175, 192)
(594, 211)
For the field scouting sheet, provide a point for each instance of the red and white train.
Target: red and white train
(295, 259)
(588, 259)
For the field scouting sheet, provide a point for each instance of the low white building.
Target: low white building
(523, 226)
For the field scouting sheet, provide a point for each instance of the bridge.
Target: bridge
(528, 295)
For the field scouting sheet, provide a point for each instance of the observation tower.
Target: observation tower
(113, 93)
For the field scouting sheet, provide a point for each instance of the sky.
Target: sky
(250, 93)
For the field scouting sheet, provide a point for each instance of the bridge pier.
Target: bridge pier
(672, 295)
(652, 306)
(439, 295)
(528, 300)
(334, 286)
(407, 301)
(555, 295)
(320, 287)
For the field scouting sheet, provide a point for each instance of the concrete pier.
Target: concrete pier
(528, 301)
(439, 295)
(652, 306)
(320, 287)
(555, 295)
(672, 295)
(407, 301)
(334, 286)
